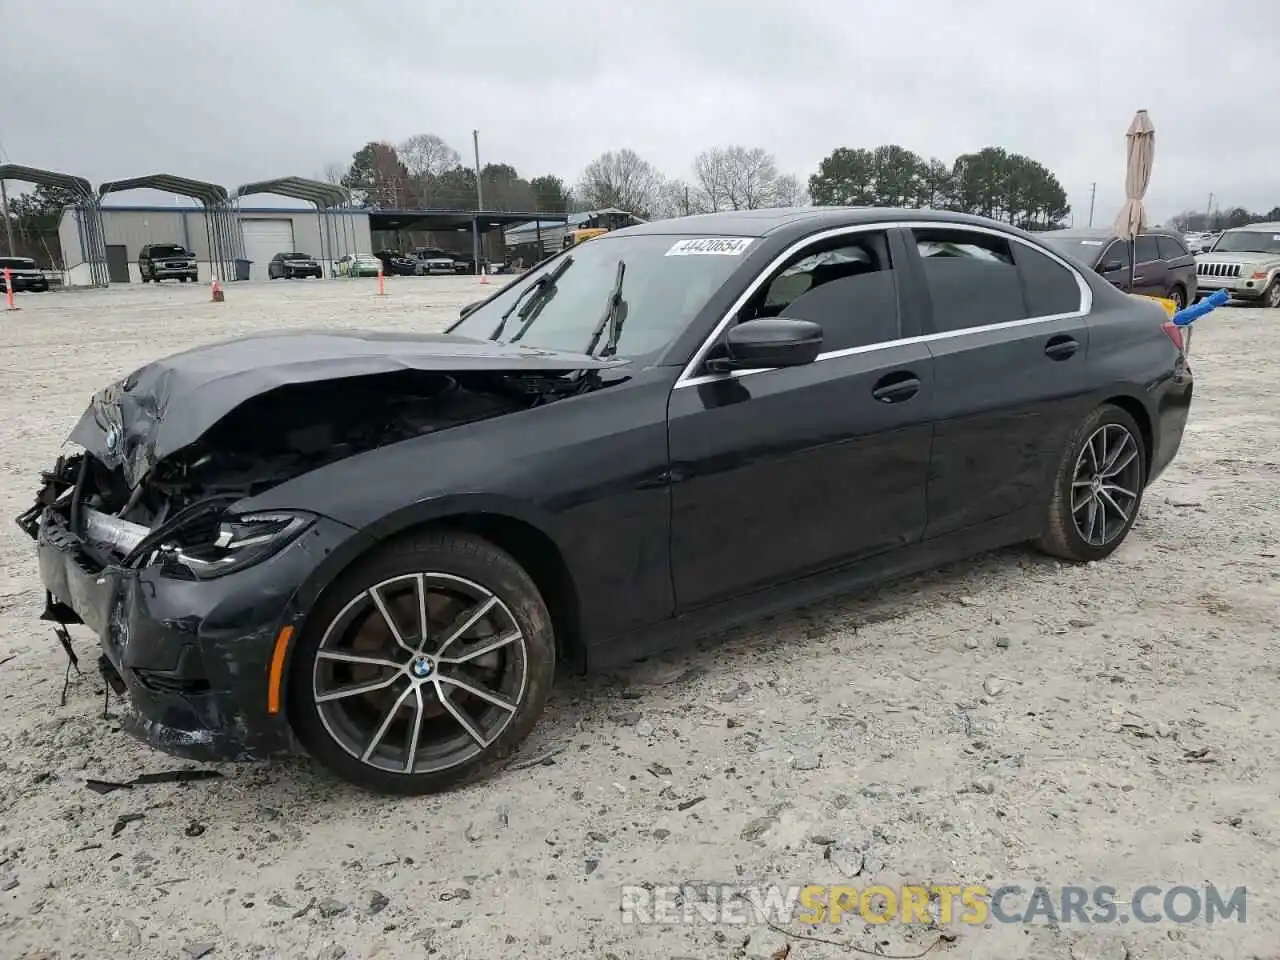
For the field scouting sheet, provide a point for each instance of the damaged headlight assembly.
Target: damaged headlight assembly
(241, 542)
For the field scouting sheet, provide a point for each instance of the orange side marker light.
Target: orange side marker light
(275, 676)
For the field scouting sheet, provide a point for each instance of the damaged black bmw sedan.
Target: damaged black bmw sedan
(376, 548)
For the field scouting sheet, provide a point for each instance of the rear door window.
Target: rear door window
(1147, 250)
(971, 278)
(1170, 248)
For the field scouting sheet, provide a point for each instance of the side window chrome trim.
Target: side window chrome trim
(688, 378)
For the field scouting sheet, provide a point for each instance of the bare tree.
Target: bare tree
(742, 178)
(788, 191)
(621, 179)
(333, 173)
(677, 198)
(426, 155)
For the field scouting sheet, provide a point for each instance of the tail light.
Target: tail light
(1181, 337)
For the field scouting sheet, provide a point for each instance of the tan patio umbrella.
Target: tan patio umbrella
(1140, 152)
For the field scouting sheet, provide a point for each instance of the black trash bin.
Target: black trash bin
(242, 268)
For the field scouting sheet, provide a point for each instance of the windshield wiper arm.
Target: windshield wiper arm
(530, 297)
(610, 318)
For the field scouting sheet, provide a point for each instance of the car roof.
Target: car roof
(1103, 233)
(1271, 226)
(800, 220)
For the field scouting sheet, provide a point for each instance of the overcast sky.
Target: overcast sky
(234, 91)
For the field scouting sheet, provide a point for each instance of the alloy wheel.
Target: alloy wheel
(1179, 298)
(420, 673)
(1273, 294)
(1105, 486)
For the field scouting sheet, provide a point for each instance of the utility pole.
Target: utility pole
(1093, 193)
(8, 224)
(1208, 213)
(475, 222)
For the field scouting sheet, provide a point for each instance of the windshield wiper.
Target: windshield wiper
(535, 293)
(609, 319)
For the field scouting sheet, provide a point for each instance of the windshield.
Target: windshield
(1248, 241)
(1084, 249)
(168, 251)
(16, 263)
(297, 256)
(664, 288)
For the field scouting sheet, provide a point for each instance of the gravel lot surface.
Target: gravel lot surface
(1005, 720)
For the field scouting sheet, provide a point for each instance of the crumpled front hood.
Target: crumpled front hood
(158, 409)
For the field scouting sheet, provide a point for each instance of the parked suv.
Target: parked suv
(1246, 263)
(290, 265)
(1163, 266)
(433, 260)
(166, 261)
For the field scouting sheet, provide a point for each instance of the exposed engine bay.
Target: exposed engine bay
(177, 509)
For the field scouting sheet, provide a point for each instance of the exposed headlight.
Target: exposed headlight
(243, 541)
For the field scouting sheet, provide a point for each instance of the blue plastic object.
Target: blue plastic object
(1186, 315)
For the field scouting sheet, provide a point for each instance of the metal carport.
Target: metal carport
(332, 203)
(93, 246)
(221, 228)
(477, 222)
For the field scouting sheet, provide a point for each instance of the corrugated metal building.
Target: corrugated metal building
(266, 231)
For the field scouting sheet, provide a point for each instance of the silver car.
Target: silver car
(1245, 262)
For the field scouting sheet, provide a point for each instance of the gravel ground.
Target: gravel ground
(1005, 720)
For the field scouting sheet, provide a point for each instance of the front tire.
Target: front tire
(1098, 487)
(399, 706)
(1271, 296)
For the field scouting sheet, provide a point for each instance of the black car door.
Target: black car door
(781, 473)
(1150, 272)
(1009, 339)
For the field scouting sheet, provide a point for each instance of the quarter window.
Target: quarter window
(1050, 288)
(971, 278)
(846, 285)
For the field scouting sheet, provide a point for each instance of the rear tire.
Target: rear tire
(1179, 297)
(395, 734)
(1097, 489)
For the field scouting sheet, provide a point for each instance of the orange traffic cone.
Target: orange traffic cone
(216, 289)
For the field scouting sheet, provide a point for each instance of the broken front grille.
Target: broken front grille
(1218, 269)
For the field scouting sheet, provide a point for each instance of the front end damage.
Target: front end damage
(186, 591)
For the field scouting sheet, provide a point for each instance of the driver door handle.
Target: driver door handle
(896, 387)
(1061, 347)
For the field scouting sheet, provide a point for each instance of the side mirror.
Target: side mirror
(468, 308)
(770, 342)
(1111, 265)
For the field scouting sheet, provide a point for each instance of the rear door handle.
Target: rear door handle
(896, 387)
(1060, 348)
